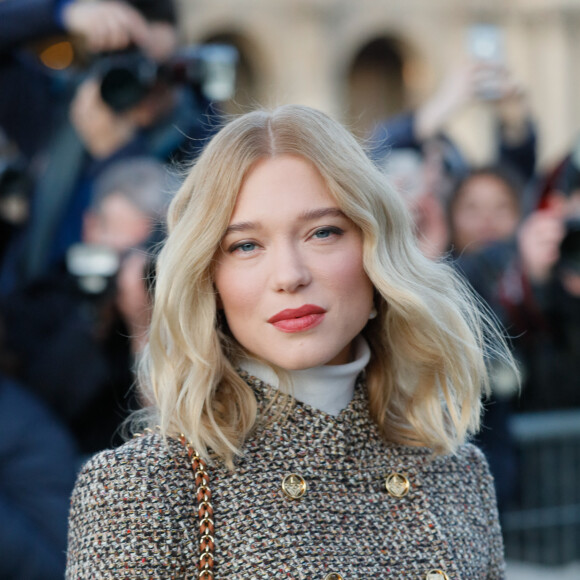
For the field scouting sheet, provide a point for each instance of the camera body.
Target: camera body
(128, 77)
(570, 246)
(94, 267)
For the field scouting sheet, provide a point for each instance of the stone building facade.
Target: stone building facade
(361, 60)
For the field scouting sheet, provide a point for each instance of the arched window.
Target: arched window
(375, 84)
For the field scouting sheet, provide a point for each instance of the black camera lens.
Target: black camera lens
(126, 79)
(121, 89)
(570, 246)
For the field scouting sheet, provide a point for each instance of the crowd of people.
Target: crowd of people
(84, 187)
(513, 233)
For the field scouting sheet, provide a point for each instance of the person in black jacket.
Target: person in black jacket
(30, 105)
(73, 333)
(38, 466)
(533, 284)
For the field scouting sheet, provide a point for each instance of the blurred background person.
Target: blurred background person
(484, 207)
(129, 102)
(39, 449)
(532, 285)
(490, 83)
(433, 164)
(30, 96)
(72, 334)
(418, 176)
(38, 466)
(485, 210)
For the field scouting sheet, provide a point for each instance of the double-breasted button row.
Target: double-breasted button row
(294, 485)
(431, 575)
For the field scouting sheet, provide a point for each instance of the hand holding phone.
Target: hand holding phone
(485, 46)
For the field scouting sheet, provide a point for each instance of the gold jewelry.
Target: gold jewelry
(204, 510)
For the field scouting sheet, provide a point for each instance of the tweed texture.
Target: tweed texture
(133, 512)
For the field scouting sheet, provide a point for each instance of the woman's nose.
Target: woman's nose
(289, 270)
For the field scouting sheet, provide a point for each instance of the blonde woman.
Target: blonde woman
(312, 380)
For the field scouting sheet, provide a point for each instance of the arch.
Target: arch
(375, 83)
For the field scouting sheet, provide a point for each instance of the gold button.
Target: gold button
(436, 575)
(333, 576)
(294, 486)
(397, 485)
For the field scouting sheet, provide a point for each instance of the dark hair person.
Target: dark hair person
(311, 380)
(485, 207)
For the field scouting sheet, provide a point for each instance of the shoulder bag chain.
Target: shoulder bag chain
(204, 510)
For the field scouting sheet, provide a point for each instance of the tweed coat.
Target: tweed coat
(134, 510)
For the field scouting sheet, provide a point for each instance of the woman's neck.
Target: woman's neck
(328, 388)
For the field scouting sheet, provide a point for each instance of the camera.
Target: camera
(570, 246)
(128, 77)
(94, 268)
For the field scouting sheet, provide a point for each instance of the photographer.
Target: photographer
(73, 333)
(29, 105)
(533, 284)
(101, 24)
(89, 135)
(129, 105)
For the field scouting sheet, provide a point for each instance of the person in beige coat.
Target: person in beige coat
(309, 384)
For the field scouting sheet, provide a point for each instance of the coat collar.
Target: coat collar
(291, 428)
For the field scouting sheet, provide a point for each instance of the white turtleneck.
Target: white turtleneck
(328, 388)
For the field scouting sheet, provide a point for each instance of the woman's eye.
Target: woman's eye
(244, 247)
(323, 233)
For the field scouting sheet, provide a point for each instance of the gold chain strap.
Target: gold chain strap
(204, 510)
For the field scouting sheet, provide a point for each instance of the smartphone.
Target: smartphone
(486, 45)
(485, 42)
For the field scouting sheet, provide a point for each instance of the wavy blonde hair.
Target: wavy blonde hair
(429, 342)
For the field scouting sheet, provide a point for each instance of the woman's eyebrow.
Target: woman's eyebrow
(241, 227)
(315, 214)
(309, 215)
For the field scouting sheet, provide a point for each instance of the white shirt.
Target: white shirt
(328, 388)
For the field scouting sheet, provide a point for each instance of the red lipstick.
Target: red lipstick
(298, 319)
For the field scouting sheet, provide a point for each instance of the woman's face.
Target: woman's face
(290, 273)
(484, 212)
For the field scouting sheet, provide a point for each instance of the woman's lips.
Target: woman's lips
(298, 319)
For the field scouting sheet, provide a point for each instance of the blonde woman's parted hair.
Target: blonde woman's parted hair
(429, 342)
